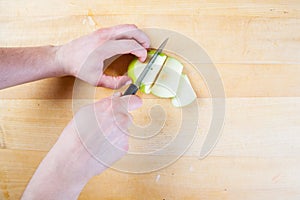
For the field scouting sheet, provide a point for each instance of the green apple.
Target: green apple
(136, 67)
(168, 79)
(185, 93)
(165, 79)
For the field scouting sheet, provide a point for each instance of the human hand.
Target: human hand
(93, 140)
(101, 130)
(84, 57)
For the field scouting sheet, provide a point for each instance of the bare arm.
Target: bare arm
(68, 166)
(82, 58)
(78, 156)
(21, 65)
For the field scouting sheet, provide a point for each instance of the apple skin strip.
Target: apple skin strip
(185, 94)
(168, 80)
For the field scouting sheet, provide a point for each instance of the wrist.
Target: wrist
(52, 181)
(73, 157)
(60, 67)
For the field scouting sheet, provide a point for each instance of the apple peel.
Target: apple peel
(168, 79)
(185, 94)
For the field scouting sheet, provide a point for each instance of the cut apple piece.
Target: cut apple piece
(185, 93)
(168, 80)
(136, 67)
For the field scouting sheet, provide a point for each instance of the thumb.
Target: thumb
(114, 82)
(132, 102)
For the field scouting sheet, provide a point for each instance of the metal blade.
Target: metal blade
(152, 60)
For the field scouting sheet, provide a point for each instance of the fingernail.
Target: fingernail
(117, 94)
(128, 82)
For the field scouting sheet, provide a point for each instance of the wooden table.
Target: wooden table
(256, 49)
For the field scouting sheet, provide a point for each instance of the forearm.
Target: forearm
(78, 156)
(21, 65)
(48, 183)
(61, 177)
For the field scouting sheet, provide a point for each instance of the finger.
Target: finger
(120, 108)
(111, 112)
(123, 143)
(116, 47)
(114, 82)
(123, 121)
(117, 94)
(131, 102)
(126, 31)
(136, 34)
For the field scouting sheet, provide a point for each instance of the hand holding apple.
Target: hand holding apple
(84, 57)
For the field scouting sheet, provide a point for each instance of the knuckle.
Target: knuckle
(133, 26)
(103, 33)
(133, 43)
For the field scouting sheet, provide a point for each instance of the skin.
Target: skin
(98, 131)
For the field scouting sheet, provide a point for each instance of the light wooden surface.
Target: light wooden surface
(256, 49)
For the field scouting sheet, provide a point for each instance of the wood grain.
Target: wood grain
(255, 47)
(267, 8)
(212, 178)
(239, 80)
(227, 39)
(260, 127)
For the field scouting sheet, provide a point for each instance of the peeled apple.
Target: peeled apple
(165, 79)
